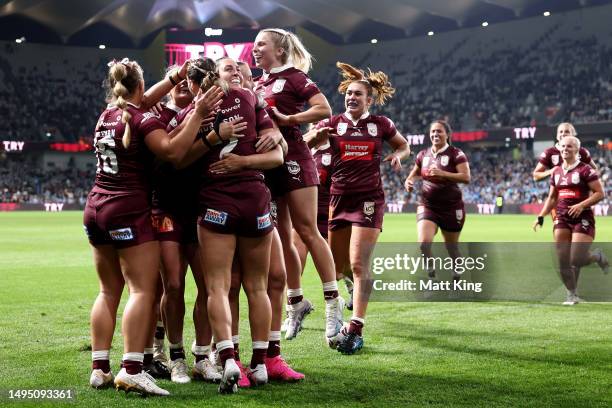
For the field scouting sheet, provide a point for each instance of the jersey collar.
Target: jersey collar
(173, 107)
(442, 150)
(276, 70)
(322, 147)
(364, 116)
(570, 168)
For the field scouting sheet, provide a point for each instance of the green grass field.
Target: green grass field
(492, 354)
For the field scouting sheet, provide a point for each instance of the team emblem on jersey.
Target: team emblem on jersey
(122, 234)
(173, 123)
(444, 160)
(293, 167)
(326, 159)
(368, 207)
(426, 161)
(575, 178)
(264, 221)
(555, 159)
(216, 217)
(278, 86)
(372, 129)
(341, 128)
(459, 214)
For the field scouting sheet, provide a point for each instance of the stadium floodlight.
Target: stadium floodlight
(546, 13)
(430, 33)
(101, 46)
(20, 40)
(210, 32)
(373, 40)
(485, 23)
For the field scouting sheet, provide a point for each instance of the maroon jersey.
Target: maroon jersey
(120, 169)
(323, 160)
(357, 151)
(243, 103)
(551, 157)
(437, 192)
(288, 89)
(572, 185)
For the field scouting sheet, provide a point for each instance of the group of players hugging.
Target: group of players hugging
(209, 169)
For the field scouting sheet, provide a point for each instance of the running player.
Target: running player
(286, 88)
(117, 217)
(357, 202)
(574, 188)
(441, 167)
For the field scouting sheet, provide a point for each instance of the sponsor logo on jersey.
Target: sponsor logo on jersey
(173, 123)
(237, 106)
(373, 129)
(444, 160)
(555, 159)
(341, 128)
(264, 221)
(426, 160)
(356, 150)
(368, 207)
(237, 100)
(575, 178)
(293, 167)
(122, 234)
(557, 176)
(459, 214)
(148, 115)
(326, 159)
(567, 193)
(356, 133)
(215, 217)
(278, 86)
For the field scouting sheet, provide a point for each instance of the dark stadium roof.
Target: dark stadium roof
(338, 21)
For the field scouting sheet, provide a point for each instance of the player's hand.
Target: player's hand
(575, 210)
(233, 128)
(538, 223)
(396, 163)
(231, 163)
(182, 72)
(436, 172)
(208, 102)
(409, 185)
(268, 142)
(157, 108)
(282, 119)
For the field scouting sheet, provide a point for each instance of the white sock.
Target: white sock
(358, 320)
(100, 355)
(224, 344)
(200, 350)
(329, 286)
(236, 339)
(149, 350)
(295, 292)
(274, 336)
(174, 346)
(133, 357)
(260, 345)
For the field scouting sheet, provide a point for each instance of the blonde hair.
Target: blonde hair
(573, 138)
(377, 83)
(203, 71)
(572, 128)
(294, 51)
(123, 79)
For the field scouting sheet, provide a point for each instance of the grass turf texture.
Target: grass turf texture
(416, 354)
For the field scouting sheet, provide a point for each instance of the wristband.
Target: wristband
(204, 138)
(171, 80)
(540, 220)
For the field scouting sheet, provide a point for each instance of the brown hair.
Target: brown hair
(203, 71)
(445, 125)
(377, 83)
(294, 50)
(123, 79)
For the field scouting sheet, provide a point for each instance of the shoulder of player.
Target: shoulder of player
(456, 152)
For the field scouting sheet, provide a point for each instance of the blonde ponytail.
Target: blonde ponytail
(295, 52)
(377, 83)
(123, 79)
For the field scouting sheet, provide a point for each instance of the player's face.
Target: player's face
(438, 135)
(265, 52)
(181, 95)
(564, 130)
(247, 76)
(229, 72)
(356, 99)
(569, 148)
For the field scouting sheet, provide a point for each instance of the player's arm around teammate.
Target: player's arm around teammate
(117, 220)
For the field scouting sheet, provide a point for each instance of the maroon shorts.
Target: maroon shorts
(448, 219)
(584, 224)
(365, 209)
(176, 226)
(292, 175)
(122, 220)
(239, 208)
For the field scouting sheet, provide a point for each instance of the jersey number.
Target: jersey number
(107, 159)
